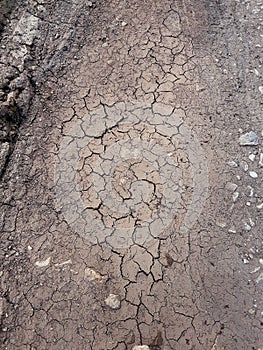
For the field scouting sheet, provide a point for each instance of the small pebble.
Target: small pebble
(260, 89)
(255, 270)
(247, 227)
(251, 222)
(221, 224)
(252, 157)
(232, 230)
(113, 301)
(260, 278)
(235, 196)
(232, 163)
(91, 275)
(261, 159)
(124, 24)
(141, 347)
(253, 174)
(251, 191)
(244, 165)
(231, 186)
(43, 263)
(248, 139)
(260, 206)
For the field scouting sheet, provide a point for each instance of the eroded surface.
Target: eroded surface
(124, 173)
(112, 112)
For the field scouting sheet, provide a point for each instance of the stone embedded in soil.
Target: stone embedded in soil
(252, 157)
(113, 301)
(92, 275)
(221, 224)
(232, 163)
(141, 347)
(261, 159)
(231, 186)
(43, 263)
(232, 230)
(248, 139)
(260, 278)
(247, 227)
(253, 174)
(235, 196)
(244, 165)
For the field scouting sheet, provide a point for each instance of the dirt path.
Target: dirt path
(131, 210)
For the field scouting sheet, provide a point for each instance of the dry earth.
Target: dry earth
(131, 213)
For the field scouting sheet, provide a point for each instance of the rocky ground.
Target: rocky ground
(131, 174)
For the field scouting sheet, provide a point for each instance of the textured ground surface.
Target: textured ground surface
(130, 213)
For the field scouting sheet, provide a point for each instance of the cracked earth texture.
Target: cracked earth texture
(130, 214)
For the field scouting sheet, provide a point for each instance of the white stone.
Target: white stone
(235, 196)
(231, 186)
(221, 224)
(261, 159)
(251, 222)
(260, 89)
(232, 163)
(253, 174)
(260, 206)
(141, 347)
(248, 139)
(67, 262)
(232, 230)
(255, 270)
(43, 263)
(113, 301)
(260, 278)
(252, 157)
(244, 165)
(247, 227)
(92, 275)
(251, 191)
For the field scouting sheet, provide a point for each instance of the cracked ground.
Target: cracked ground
(131, 191)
